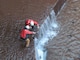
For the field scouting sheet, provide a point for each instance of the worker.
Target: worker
(26, 33)
(34, 24)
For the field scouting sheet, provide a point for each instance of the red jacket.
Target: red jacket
(24, 32)
(29, 20)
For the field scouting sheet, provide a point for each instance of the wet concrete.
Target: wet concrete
(12, 17)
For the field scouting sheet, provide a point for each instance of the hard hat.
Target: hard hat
(32, 23)
(27, 27)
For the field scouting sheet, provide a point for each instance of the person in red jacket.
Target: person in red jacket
(25, 34)
(34, 24)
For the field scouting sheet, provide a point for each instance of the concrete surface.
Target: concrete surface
(66, 45)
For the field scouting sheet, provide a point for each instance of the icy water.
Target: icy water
(48, 30)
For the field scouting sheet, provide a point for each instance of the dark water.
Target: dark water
(21, 9)
(12, 17)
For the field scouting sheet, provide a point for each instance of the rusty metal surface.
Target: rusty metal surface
(12, 17)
